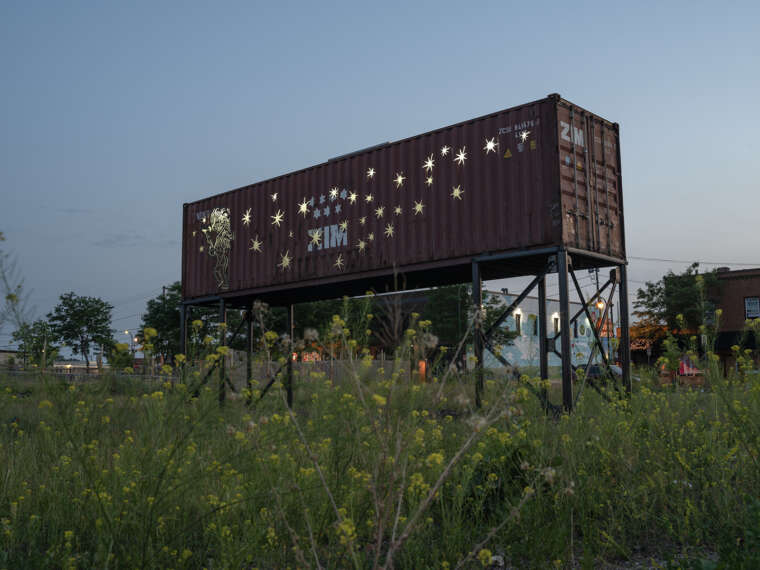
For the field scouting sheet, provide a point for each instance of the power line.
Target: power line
(662, 260)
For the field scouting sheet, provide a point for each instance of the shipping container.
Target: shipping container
(415, 212)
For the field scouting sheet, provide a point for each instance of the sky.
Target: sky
(112, 115)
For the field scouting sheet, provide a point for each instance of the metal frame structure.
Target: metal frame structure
(559, 260)
(545, 261)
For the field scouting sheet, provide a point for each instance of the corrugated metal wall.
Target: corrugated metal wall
(492, 186)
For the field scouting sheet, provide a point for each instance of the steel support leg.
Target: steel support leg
(477, 345)
(564, 324)
(543, 353)
(289, 385)
(222, 342)
(249, 352)
(182, 329)
(625, 341)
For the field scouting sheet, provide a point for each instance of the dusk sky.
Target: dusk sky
(115, 114)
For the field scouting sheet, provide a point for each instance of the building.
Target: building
(8, 358)
(523, 351)
(740, 303)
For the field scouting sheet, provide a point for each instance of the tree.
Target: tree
(14, 306)
(81, 322)
(689, 294)
(36, 342)
(162, 314)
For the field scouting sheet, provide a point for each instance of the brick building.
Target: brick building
(740, 302)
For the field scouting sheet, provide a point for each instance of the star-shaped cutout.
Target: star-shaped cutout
(429, 180)
(285, 260)
(274, 197)
(363, 220)
(343, 226)
(303, 208)
(456, 192)
(322, 199)
(255, 244)
(371, 236)
(389, 230)
(333, 193)
(461, 156)
(397, 210)
(352, 197)
(343, 194)
(370, 173)
(338, 208)
(445, 150)
(399, 179)
(339, 262)
(290, 234)
(429, 163)
(326, 211)
(316, 237)
(317, 213)
(524, 136)
(491, 145)
(380, 211)
(277, 218)
(368, 198)
(247, 217)
(418, 207)
(361, 245)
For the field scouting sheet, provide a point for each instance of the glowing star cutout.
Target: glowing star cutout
(303, 208)
(339, 262)
(333, 193)
(274, 197)
(368, 198)
(389, 230)
(456, 192)
(361, 245)
(247, 217)
(429, 163)
(397, 210)
(461, 156)
(524, 136)
(418, 207)
(316, 238)
(290, 234)
(371, 237)
(255, 244)
(399, 179)
(429, 180)
(277, 218)
(285, 260)
(363, 220)
(491, 145)
(445, 150)
(343, 225)
(379, 212)
(352, 197)
(370, 173)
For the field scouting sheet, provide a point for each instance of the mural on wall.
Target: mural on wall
(219, 238)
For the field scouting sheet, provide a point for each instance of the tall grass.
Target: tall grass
(373, 470)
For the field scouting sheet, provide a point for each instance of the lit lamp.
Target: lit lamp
(600, 304)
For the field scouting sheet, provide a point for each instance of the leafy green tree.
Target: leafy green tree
(35, 342)
(162, 314)
(82, 322)
(690, 294)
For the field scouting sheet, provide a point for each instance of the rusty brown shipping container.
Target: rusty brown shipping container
(415, 212)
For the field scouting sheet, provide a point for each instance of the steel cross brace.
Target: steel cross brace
(607, 368)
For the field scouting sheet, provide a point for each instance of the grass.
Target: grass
(374, 470)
